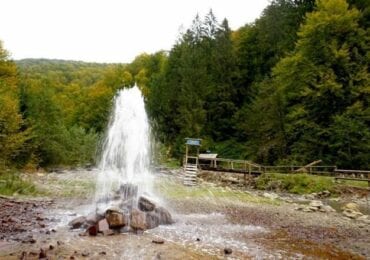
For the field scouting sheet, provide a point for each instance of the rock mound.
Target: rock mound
(129, 213)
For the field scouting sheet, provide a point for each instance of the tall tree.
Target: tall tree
(325, 86)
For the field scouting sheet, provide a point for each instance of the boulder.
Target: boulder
(103, 225)
(77, 222)
(115, 219)
(93, 218)
(152, 220)
(164, 216)
(145, 204)
(138, 220)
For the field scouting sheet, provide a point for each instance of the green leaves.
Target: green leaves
(319, 83)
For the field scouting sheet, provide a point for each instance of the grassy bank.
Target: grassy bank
(174, 190)
(302, 183)
(11, 184)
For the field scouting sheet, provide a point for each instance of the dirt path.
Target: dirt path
(248, 225)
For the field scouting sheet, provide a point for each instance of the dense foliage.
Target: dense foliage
(291, 87)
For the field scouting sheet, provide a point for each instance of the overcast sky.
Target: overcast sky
(107, 30)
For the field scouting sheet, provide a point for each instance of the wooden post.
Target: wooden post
(304, 168)
(186, 155)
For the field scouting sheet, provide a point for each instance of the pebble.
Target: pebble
(227, 251)
(158, 241)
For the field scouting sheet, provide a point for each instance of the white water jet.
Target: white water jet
(126, 150)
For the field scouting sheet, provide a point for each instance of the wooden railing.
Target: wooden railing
(319, 170)
(231, 165)
(249, 167)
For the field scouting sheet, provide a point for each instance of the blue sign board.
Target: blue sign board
(193, 141)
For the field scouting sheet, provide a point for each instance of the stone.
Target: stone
(29, 239)
(138, 220)
(365, 219)
(325, 193)
(93, 218)
(316, 204)
(352, 214)
(77, 222)
(92, 230)
(311, 208)
(228, 251)
(103, 225)
(351, 206)
(327, 208)
(165, 217)
(152, 220)
(115, 219)
(146, 204)
(42, 254)
(158, 241)
(270, 196)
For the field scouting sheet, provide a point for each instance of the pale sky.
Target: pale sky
(108, 30)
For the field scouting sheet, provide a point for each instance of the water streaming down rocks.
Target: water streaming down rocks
(123, 193)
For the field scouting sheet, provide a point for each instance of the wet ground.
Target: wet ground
(222, 225)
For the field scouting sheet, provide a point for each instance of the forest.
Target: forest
(291, 87)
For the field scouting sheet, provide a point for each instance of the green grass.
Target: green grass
(173, 190)
(301, 183)
(11, 184)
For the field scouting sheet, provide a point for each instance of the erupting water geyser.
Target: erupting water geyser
(126, 149)
(123, 199)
